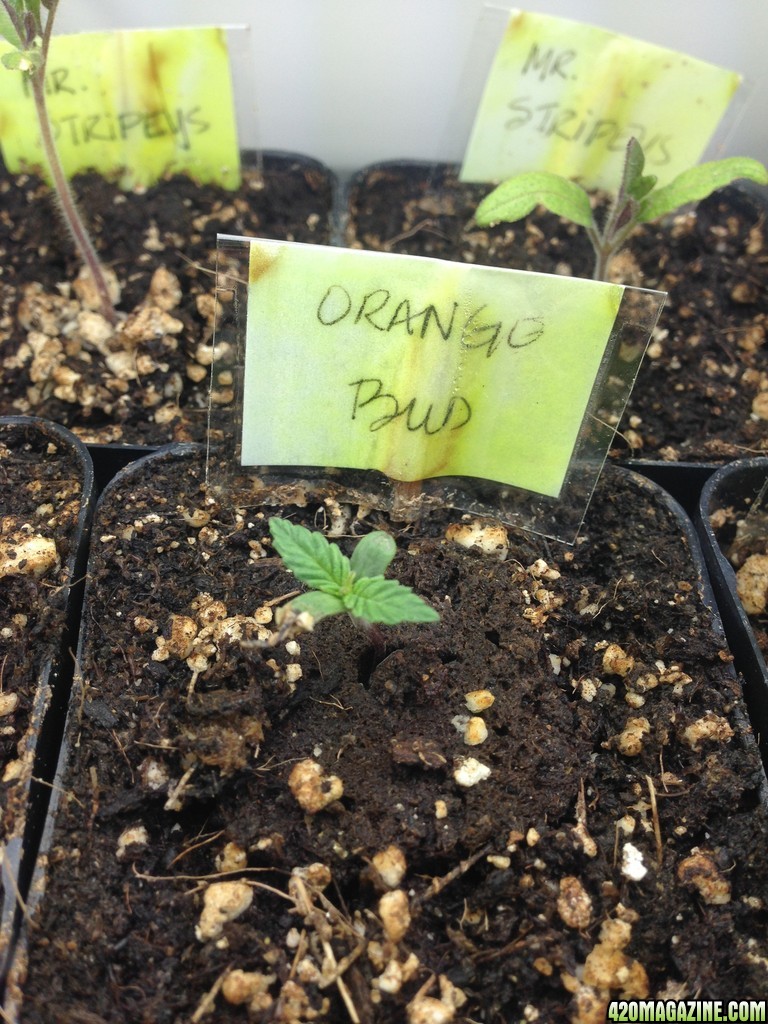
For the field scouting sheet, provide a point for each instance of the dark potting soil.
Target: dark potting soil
(57, 358)
(702, 390)
(41, 490)
(606, 838)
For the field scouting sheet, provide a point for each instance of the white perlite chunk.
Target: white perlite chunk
(630, 741)
(136, 836)
(312, 788)
(478, 700)
(608, 967)
(476, 732)
(710, 728)
(222, 902)
(468, 771)
(427, 1010)
(250, 987)
(752, 584)
(424, 1009)
(488, 538)
(395, 914)
(391, 978)
(23, 553)
(182, 630)
(588, 688)
(702, 873)
(8, 703)
(616, 661)
(574, 904)
(390, 866)
(541, 570)
(232, 858)
(632, 865)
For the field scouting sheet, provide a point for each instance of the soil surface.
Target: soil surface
(147, 381)
(41, 491)
(702, 390)
(260, 825)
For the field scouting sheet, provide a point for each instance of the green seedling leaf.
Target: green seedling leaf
(8, 30)
(21, 60)
(373, 554)
(16, 15)
(387, 602)
(635, 183)
(636, 200)
(318, 604)
(310, 557)
(699, 182)
(518, 196)
(368, 598)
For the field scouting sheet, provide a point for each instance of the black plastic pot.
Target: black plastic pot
(82, 706)
(111, 465)
(683, 480)
(109, 459)
(736, 486)
(50, 675)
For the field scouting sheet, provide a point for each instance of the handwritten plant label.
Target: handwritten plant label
(133, 105)
(416, 367)
(566, 97)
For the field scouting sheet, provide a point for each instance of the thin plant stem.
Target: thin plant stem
(66, 200)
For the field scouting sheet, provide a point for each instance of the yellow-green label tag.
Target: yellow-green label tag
(133, 105)
(566, 97)
(416, 367)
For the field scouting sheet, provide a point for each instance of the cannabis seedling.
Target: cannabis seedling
(636, 201)
(354, 585)
(23, 25)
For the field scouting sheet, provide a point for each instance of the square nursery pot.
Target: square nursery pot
(147, 382)
(736, 550)
(548, 799)
(45, 509)
(701, 393)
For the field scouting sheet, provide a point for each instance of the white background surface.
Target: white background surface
(353, 81)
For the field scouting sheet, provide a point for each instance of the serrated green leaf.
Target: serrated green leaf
(373, 554)
(699, 182)
(310, 557)
(376, 599)
(518, 196)
(318, 604)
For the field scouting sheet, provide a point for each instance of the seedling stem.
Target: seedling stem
(22, 27)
